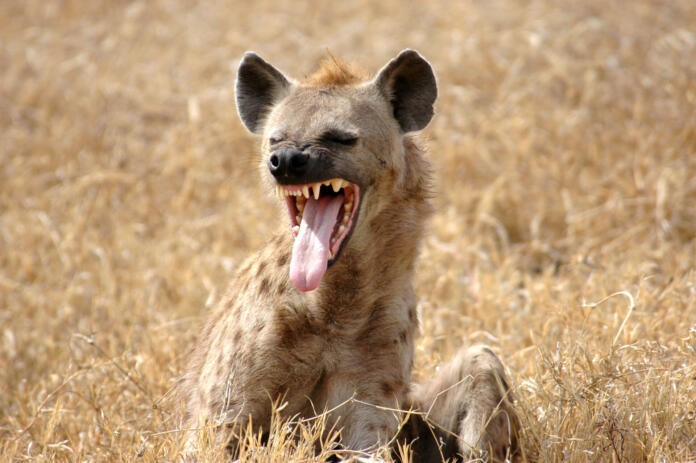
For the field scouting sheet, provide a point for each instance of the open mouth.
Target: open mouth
(322, 215)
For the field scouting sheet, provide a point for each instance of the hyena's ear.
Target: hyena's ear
(408, 83)
(259, 87)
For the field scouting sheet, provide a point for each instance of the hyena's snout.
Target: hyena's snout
(289, 165)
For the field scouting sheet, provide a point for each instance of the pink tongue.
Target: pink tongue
(310, 252)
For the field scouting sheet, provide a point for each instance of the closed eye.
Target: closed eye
(339, 138)
(277, 136)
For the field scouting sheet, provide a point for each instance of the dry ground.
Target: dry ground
(565, 149)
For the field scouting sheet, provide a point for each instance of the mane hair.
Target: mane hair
(335, 72)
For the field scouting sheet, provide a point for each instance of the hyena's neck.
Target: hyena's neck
(378, 264)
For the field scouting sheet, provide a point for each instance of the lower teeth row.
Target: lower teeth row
(341, 228)
(347, 208)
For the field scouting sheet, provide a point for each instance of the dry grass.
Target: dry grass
(565, 147)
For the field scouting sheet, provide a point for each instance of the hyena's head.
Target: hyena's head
(333, 147)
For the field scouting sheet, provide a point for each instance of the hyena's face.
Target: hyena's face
(333, 152)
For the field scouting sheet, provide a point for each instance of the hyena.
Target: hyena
(324, 317)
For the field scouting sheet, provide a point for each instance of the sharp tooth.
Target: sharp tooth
(347, 207)
(278, 193)
(316, 189)
(295, 230)
(327, 182)
(345, 220)
(305, 191)
(341, 229)
(298, 217)
(336, 184)
(300, 205)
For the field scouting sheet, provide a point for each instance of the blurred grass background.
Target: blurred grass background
(565, 150)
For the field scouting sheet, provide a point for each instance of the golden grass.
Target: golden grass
(565, 148)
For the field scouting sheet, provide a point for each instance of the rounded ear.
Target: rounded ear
(409, 84)
(259, 86)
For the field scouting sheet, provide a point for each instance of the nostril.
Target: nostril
(288, 162)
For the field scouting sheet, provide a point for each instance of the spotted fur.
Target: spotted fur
(347, 346)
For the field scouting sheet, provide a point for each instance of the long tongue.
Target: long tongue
(310, 253)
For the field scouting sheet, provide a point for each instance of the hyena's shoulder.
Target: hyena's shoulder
(260, 279)
(260, 276)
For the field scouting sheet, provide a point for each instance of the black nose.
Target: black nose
(288, 163)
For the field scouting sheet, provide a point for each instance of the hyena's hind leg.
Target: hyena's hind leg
(467, 410)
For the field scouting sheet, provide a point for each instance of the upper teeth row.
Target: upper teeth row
(304, 190)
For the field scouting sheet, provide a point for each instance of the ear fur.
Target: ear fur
(259, 86)
(409, 84)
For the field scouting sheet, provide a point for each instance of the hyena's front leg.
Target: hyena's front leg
(467, 407)
(365, 411)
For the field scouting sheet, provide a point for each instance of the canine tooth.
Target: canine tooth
(336, 184)
(316, 189)
(305, 191)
